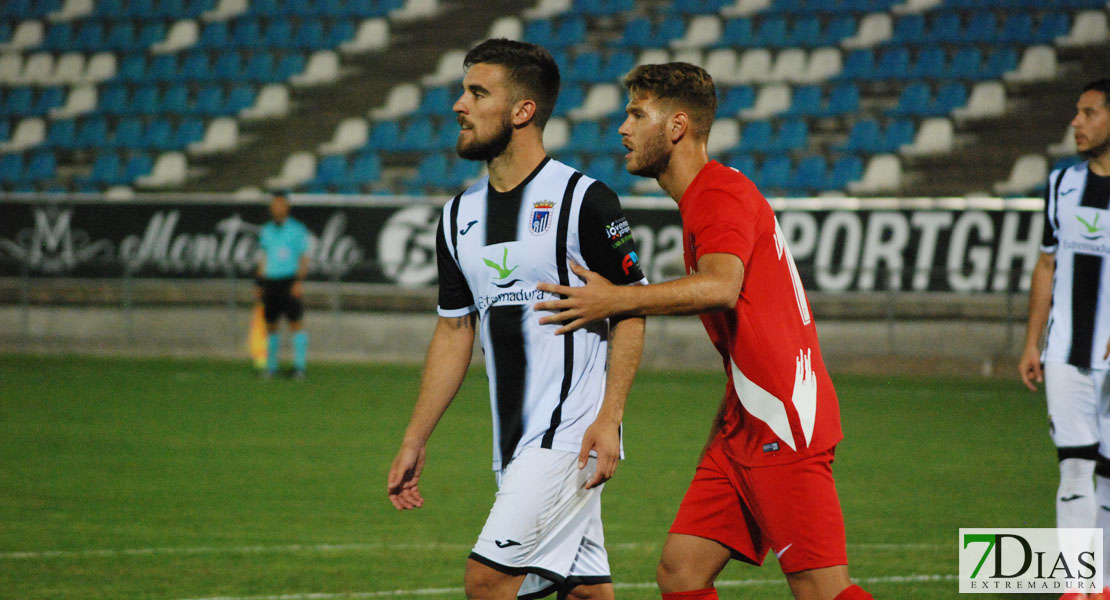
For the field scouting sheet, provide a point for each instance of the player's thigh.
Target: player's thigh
(598, 591)
(294, 312)
(819, 584)
(1073, 405)
(798, 511)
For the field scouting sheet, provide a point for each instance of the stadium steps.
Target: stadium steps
(1037, 114)
(317, 111)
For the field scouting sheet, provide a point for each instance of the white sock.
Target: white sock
(1075, 499)
(1102, 495)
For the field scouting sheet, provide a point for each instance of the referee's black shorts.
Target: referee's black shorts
(278, 300)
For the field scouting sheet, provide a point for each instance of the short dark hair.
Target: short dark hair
(531, 69)
(1100, 85)
(687, 85)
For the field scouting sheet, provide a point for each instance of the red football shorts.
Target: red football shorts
(790, 509)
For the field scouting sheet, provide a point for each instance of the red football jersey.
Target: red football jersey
(781, 405)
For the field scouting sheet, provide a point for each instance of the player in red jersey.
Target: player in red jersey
(765, 479)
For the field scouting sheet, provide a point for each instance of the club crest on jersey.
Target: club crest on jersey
(541, 216)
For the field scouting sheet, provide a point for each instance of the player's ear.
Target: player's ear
(523, 112)
(678, 126)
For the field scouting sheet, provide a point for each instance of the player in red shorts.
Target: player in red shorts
(765, 478)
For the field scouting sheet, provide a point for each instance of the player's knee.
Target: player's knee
(676, 574)
(483, 583)
(591, 592)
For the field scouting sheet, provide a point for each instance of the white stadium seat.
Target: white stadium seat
(27, 35)
(547, 8)
(508, 27)
(873, 28)
(883, 174)
(1038, 63)
(721, 64)
(745, 8)
(225, 9)
(1089, 28)
(183, 34)
(71, 10)
(372, 34)
(322, 68)
(415, 9)
(1066, 146)
(693, 56)
(601, 99)
(701, 31)
(100, 67)
(823, 64)
(169, 170)
(988, 99)
(935, 136)
(11, 65)
(653, 56)
(1029, 171)
(771, 100)
(298, 168)
(221, 135)
(69, 69)
(755, 66)
(351, 133)
(915, 6)
(555, 134)
(448, 70)
(37, 69)
(402, 99)
(80, 100)
(723, 136)
(28, 134)
(272, 102)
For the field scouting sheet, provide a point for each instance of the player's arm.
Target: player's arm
(715, 286)
(1040, 302)
(626, 345)
(444, 370)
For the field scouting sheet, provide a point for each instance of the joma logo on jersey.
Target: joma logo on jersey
(541, 216)
(503, 269)
(1094, 230)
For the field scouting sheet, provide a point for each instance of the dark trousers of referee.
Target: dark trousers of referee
(282, 297)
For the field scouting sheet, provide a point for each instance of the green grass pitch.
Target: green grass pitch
(183, 479)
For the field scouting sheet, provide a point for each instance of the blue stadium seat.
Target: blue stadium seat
(266, 8)
(735, 99)
(432, 171)
(209, 101)
(384, 136)
(341, 30)
(6, 130)
(1001, 60)
(774, 174)
(916, 99)
(945, 29)
(107, 169)
(845, 169)
(805, 102)
(15, 9)
(897, 133)
(837, 29)
(58, 37)
(188, 131)
(843, 100)
(462, 171)
(571, 31)
(585, 67)
(636, 34)
(11, 168)
(42, 166)
(966, 64)
(196, 67)
(864, 136)
(950, 96)
(48, 98)
(610, 169)
(929, 64)
(214, 36)
(89, 36)
(330, 170)
(539, 31)
(172, 9)
(436, 101)
(666, 32)
(138, 165)
(365, 168)
(745, 163)
(737, 32)
(809, 175)
(805, 33)
(1018, 28)
(228, 66)
(291, 64)
(858, 64)
(59, 134)
(146, 100)
(6, 31)
(278, 34)
(583, 136)
(332, 9)
(18, 102)
(1051, 26)
(112, 99)
(893, 63)
(127, 135)
(618, 64)
(772, 33)
(176, 100)
(755, 137)
(310, 35)
(246, 33)
(91, 132)
(132, 68)
(570, 97)
(260, 67)
(981, 28)
(157, 135)
(239, 97)
(139, 10)
(195, 8)
(121, 37)
(162, 68)
(908, 29)
(792, 135)
(419, 135)
(445, 135)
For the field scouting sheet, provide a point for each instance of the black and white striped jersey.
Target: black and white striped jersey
(1077, 231)
(492, 249)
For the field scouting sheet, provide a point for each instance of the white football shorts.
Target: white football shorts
(1078, 406)
(545, 524)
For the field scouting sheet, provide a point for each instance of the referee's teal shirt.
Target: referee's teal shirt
(283, 245)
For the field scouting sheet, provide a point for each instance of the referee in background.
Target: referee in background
(282, 266)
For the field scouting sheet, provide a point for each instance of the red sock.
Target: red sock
(706, 594)
(853, 592)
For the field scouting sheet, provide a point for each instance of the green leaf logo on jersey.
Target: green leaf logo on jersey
(502, 269)
(1093, 227)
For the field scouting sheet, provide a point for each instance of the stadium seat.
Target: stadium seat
(636, 34)
(196, 67)
(702, 31)
(221, 135)
(908, 29)
(950, 96)
(1066, 146)
(966, 64)
(843, 99)
(260, 67)
(805, 32)
(873, 29)
(224, 10)
(190, 130)
(1051, 26)
(988, 99)
(91, 132)
(935, 136)
(806, 102)
(755, 137)
(126, 136)
(723, 136)
(898, 133)
(69, 69)
(822, 65)
(100, 67)
(736, 33)
(11, 168)
(602, 100)
(60, 134)
(169, 170)
(1090, 28)
(157, 135)
(107, 169)
(864, 136)
(208, 102)
(28, 133)
(883, 174)
(754, 67)
(893, 64)
(789, 65)
(182, 34)
(858, 65)
(774, 174)
(735, 99)
(981, 28)
(28, 34)
(844, 170)
(771, 100)
(42, 166)
(372, 34)
(792, 135)
(809, 175)
(928, 65)
(351, 133)
(365, 168)
(1001, 60)
(1029, 172)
